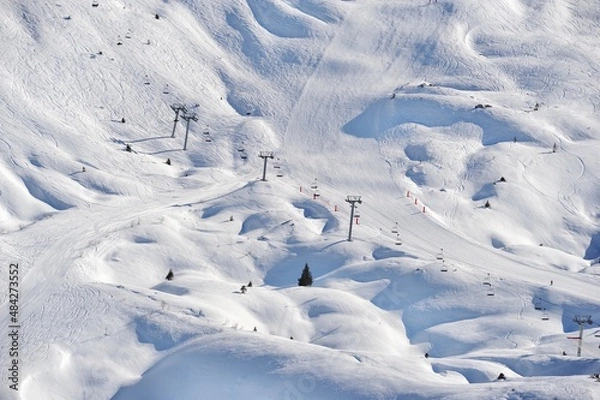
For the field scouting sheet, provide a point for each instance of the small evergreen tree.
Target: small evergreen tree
(170, 275)
(487, 204)
(306, 277)
(249, 284)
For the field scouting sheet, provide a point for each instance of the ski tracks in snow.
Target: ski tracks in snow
(59, 273)
(565, 197)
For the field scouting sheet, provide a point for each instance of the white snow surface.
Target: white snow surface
(418, 107)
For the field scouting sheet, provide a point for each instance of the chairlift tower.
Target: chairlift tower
(581, 320)
(265, 155)
(352, 200)
(177, 107)
(188, 118)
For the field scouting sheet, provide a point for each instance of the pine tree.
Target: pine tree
(170, 275)
(306, 277)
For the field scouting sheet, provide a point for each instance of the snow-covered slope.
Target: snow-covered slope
(426, 111)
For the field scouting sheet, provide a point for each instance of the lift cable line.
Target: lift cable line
(265, 155)
(352, 200)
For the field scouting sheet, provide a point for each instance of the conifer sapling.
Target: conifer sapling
(306, 277)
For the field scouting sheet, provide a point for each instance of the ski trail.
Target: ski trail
(57, 302)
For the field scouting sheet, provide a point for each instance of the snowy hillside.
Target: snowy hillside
(468, 129)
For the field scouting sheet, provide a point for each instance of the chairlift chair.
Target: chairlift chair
(166, 89)
(537, 304)
(486, 282)
(243, 155)
(314, 185)
(440, 255)
(490, 291)
(279, 173)
(545, 316)
(395, 228)
(398, 240)
(444, 267)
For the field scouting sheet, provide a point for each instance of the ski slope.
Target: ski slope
(418, 108)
